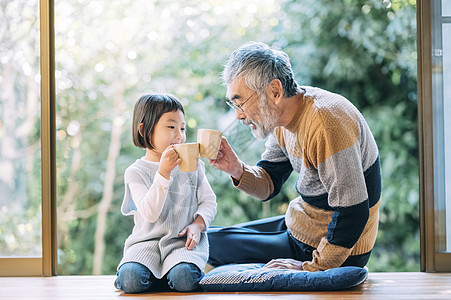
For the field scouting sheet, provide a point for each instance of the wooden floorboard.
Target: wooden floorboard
(377, 286)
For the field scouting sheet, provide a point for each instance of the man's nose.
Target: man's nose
(240, 115)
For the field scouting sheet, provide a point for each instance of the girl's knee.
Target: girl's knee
(133, 278)
(184, 277)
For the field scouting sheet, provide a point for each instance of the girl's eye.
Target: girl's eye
(171, 127)
(182, 129)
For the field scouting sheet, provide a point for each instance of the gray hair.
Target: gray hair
(259, 65)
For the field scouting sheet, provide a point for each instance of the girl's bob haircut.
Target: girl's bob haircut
(148, 110)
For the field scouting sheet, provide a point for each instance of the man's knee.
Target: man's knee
(218, 245)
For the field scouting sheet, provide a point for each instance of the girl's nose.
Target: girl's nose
(179, 134)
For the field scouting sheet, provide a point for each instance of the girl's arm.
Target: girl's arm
(205, 213)
(149, 202)
(206, 199)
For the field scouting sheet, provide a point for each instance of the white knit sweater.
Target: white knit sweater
(157, 245)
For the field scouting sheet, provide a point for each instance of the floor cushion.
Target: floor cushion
(253, 277)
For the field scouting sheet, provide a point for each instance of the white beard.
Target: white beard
(269, 121)
(259, 132)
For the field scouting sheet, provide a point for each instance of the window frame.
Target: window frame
(48, 138)
(432, 259)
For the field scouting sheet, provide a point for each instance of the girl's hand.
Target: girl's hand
(168, 161)
(193, 233)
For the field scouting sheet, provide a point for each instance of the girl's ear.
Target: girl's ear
(140, 129)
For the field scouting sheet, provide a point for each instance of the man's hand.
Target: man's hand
(193, 232)
(228, 161)
(284, 263)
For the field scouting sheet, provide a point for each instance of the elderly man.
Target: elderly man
(321, 136)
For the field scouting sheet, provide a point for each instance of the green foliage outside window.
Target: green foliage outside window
(108, 53)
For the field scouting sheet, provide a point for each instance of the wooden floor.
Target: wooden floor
(377, 286)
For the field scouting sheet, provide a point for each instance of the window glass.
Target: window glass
(108, 53)
(441, 91)
(20, 143)
(446, 28)
(446, 8)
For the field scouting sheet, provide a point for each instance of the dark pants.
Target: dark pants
(260, 241)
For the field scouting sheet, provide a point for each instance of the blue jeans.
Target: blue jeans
(134, 277)
(260, 241)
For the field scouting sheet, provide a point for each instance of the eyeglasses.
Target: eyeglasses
(239, 106)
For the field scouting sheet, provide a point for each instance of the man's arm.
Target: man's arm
(263, 181)
(278, 172)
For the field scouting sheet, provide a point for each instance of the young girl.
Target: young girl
(171, 209)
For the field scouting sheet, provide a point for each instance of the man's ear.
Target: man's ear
(275, 90)
(140, 129)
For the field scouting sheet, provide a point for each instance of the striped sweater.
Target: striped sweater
(330, 145)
